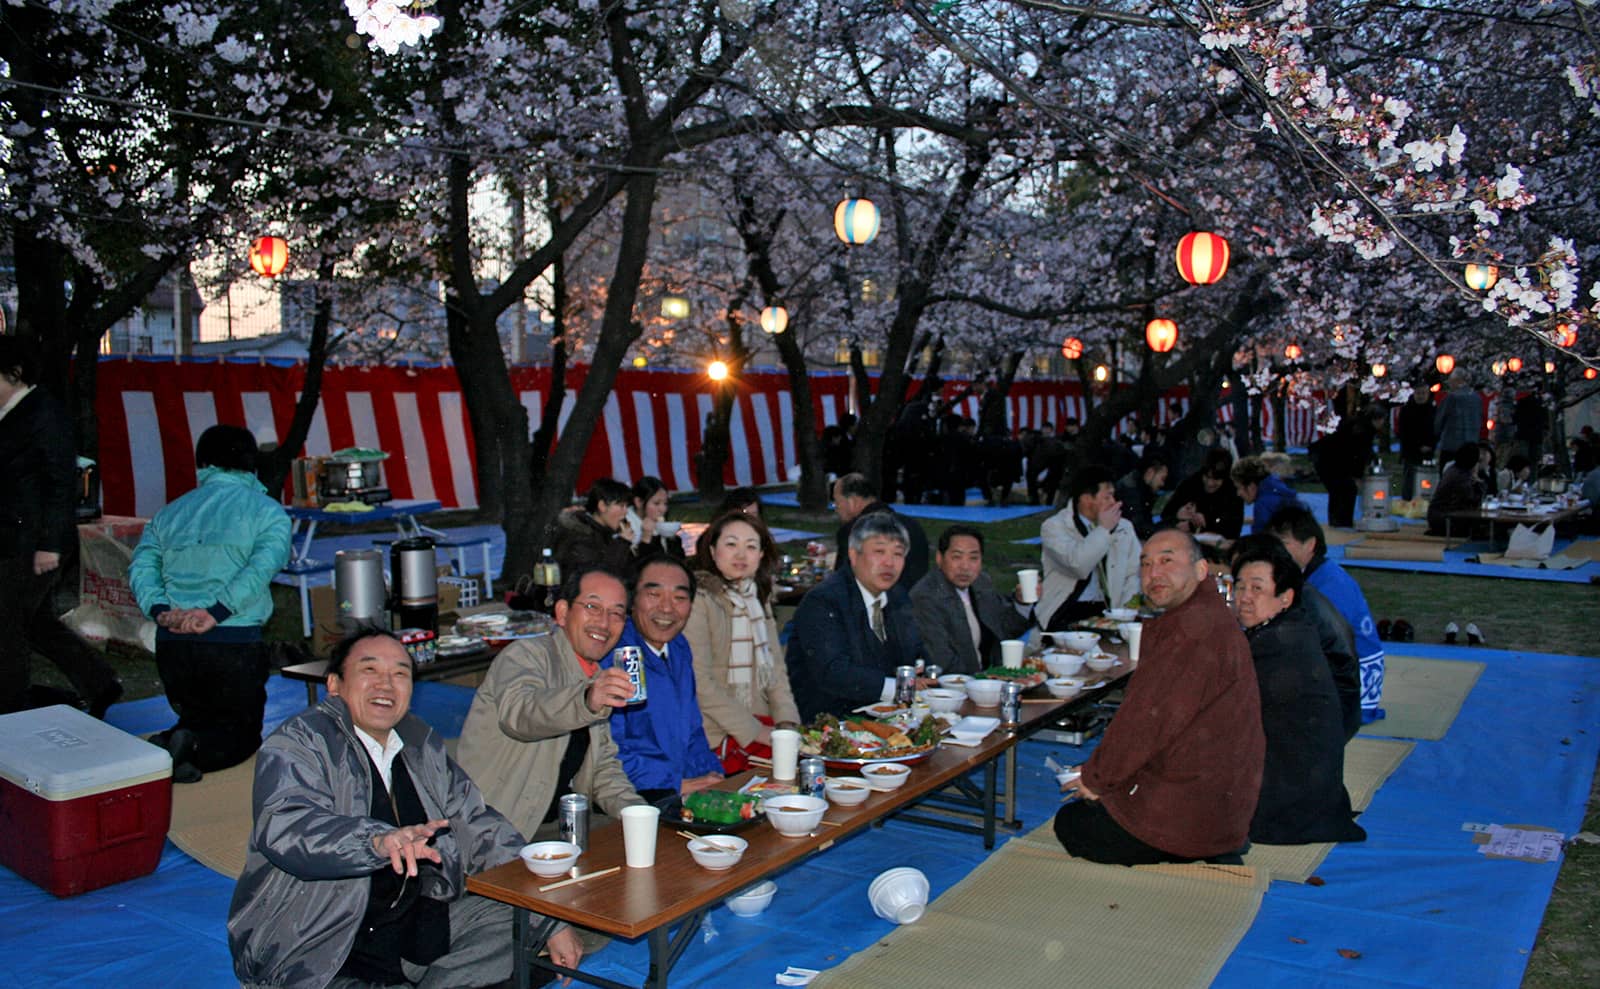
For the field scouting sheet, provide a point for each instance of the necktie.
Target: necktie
(877, 621)
(974, 626)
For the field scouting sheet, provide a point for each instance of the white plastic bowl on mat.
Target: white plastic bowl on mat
(900, 895)
(752, 899)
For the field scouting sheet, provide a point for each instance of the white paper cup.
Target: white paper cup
(785, 753)
(639, 836)
(1028, 586)
(1011, 653)
(1131, 632)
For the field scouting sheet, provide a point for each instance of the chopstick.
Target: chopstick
(579, 879)
(702, 838)
(830, 824)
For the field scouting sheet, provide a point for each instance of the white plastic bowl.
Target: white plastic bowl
(984, 693)
(900, 895)
(954, 681)
(796, 816)
(847, 791)
(550, 858)
(944, 699)
(1122, 614)
(752, 899)
(1064, 686)
(886, 775)
(1076, 641)
(1102, 661)
(1063, 664)
(718, 852)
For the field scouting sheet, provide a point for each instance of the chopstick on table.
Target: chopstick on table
(830, 824)
(579, 879)
(702, 838)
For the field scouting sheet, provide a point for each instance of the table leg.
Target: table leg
(988, 804)
(529, 932)
(665, 949)
(304, 552)
(1011, 789)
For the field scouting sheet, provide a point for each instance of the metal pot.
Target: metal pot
(416, 583)
(347, 477)
(358, 586)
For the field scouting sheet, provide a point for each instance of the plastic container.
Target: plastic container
(82, 804)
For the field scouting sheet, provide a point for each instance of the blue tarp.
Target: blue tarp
(1416, 900)
(953, 513)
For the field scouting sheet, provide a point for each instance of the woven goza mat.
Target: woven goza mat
(211, 818)
(1052, 920)
(1423, 696)
(1368, 762)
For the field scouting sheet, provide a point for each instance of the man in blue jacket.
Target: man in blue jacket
(661, 740)
(854, 628)
(203, 571)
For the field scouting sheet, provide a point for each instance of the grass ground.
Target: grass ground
(1516, 615)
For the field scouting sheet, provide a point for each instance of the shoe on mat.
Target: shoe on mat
(1402, 631)
(1383, 630)
(1474, 634)
(1450, 632)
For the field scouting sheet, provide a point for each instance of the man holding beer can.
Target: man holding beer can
(660, 735)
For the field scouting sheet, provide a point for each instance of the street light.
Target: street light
(717, 371)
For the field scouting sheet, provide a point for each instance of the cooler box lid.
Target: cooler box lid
(61, 753)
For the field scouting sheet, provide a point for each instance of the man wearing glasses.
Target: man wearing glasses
(539, 726)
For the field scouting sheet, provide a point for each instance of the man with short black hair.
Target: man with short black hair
(1138, 491)
(1090, 553)
(540, 724)
(853, 629)
(961, 618)
(855, 496)
(364, 833)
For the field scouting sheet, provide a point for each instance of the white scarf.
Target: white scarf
(750, 657)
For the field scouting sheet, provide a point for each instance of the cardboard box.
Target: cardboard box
(82, 804)
(325, 627)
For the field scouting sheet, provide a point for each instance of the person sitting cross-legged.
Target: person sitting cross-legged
(364, 832)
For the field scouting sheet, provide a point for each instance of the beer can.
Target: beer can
(573, 813)
(933, 672)
(813, 775)
(630, 660)
(1010, 702)
(905, 684)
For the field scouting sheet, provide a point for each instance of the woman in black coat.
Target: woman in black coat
(1303, 798)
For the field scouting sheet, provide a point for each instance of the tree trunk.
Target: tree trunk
(273, 469)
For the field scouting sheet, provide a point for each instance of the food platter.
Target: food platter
(909, 759)
(672, 816)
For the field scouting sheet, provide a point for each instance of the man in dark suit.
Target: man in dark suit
(960, 616)
(853, 497)
(38, 475)
(854, 628)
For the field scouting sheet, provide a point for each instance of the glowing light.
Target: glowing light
(1514, 364)
(1481, 277)
(774, 320)
(1379, 370)
(1444, 363)
(1161, 335)
(855, 221)
(1498, 367)
(1101, 373)
(1202, 258)
(674, 307)
(641, 361)
(717, 371)
(1293, 352)
(268, 256)
(1072, 348)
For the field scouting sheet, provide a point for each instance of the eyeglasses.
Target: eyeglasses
(616, 616)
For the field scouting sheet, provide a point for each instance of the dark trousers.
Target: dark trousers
(219, 690)
(1087, 831)
(1342, 492)
(28, 624)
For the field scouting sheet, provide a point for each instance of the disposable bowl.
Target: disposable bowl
(718, 852)
(984, 693)
(944, 699)
(1063, 686)
(886, 775)
(900, 895)
(1076, 641)
(1102, 661)
(550, 858)
(1063, 664)
(847, 791)
(954, 681)
(794, 816)
(1122, 614)
(752, 899)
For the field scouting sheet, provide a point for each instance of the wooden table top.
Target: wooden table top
(1512, 513)
(633, 902)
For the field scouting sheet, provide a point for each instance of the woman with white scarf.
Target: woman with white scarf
(739, 672)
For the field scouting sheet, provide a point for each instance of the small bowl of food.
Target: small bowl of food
(954, 681)
(794, 816)
(886, 775)
(1122, 614)
(1063, 664)
(1063, 686)
(1101, 661)
(984, 692)
(718, 852)
(752, 899)
(944, 699)
(847, 791)
(550, 858)
(1076, 641)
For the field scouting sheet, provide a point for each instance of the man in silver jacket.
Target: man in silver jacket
(313, 907)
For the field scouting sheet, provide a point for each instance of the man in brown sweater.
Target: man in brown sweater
(1177, 774)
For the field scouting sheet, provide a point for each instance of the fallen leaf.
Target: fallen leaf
(1566, 741)
(1316, 881)
(1112, 907)
(1349, 953)
(1297, 940)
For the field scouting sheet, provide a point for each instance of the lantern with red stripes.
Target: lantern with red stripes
(1444, 363)
(1161, 335)
(1564, 335)
(1293, 352)
(268, 256)
(1202, 258)
(1072, 348)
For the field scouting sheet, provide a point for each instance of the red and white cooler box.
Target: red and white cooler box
(82, 804)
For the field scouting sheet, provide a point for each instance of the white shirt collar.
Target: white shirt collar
(16, 397)
(382, 755)
(868, 598)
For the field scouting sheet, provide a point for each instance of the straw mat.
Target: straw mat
(1423, 696)
(1561, 561)
(1584, 549)
(1396, 550)
(1342, 537)
(211, 818)
(1367, 764)
(1058, 921)
(1408, 534)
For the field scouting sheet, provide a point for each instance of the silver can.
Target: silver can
(813, 776)
(1010, 702)
(905, 684)
(573, 814)
(630, 660)
(933, 672)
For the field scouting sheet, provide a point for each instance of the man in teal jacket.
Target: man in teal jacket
(203, 571)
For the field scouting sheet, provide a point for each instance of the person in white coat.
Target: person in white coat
(1090, 553)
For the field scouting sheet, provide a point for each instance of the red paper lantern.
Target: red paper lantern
(1161, 335)
(268, 256)
(1293, 352)
(1444, 363)
(1072, 348)
(1202, 258)
(1514, 364)
(1565, 335)
(1589, 374)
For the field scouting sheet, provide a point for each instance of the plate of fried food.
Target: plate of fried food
(853, 743)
